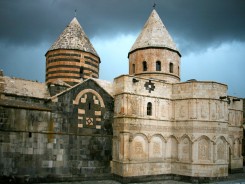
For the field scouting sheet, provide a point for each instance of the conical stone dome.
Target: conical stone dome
(154, 34)
(72, 57)
(154, 54)
(74, 37)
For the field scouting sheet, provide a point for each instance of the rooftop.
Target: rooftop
(22, 87)
(74, 37)
(154, 34)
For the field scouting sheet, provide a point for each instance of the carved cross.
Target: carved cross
(149, 86)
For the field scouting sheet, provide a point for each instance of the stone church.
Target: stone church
(145, 125)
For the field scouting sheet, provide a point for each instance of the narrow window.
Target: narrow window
(149, 109)
(133, 68)
(144, 66)
(158, 66)
(171, 67)
(30, 134)
(81, 72)
(89, 106)
(178, 70)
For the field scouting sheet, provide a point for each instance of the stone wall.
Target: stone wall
(168, 64)
(51, 145)
(185, 134)
(70, 66)
(235, 115)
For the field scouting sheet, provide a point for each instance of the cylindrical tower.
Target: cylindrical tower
(154, 54)
(72, 57)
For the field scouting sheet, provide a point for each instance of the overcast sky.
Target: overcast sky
(210, 35)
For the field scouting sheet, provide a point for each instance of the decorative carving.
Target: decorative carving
(192, 109)
(138, 148)
(213, 111)
(185, 150)
(169, 129)
(182, 111)
(89, 121)
(90, 109)
(204, 111)
(203, 149)
(220, 110)
(221, 151)
(156, 148)
(134, 107)
(149, 86)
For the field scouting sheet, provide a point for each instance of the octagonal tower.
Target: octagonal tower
(154, 53)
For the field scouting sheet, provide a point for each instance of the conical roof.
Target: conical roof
(74, 37)
(154, 34)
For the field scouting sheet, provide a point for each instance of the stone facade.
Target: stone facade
(186, 133)
(47, 139)
(166, 127)
(144, 126)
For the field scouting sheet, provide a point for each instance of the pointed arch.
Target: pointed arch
(221, 150)
(172, 148)
(204, 148)
(156, 146)
(138, 147)
(185, 148)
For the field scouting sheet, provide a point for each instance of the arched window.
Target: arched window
(144, 66)
(133, 68)
(171, 67)
(149, 109)
(158, 66)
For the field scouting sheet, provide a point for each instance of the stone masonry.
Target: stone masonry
(147, 125)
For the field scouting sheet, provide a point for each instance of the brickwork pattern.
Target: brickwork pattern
(71, 66)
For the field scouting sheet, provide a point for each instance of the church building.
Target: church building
(145, 125)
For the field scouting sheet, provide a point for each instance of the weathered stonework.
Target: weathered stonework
(72, 57)
(48, 144)
(188, 128)
(144, 126)
(165, 128)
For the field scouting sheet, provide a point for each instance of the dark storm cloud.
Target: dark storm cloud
(193, 23)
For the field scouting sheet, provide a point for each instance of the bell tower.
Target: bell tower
(72, 57)
(154, 53)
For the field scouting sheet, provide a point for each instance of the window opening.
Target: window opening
(149, 109)
(81, 72)
(158, 66)
(144, 66)
(171, 67)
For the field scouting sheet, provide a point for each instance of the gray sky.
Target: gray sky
(210, 35)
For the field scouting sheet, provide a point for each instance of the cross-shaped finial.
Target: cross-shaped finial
(154, 6)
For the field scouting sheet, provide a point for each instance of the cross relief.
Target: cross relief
(149, 86)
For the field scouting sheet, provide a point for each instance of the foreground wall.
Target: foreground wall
(50, 144)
